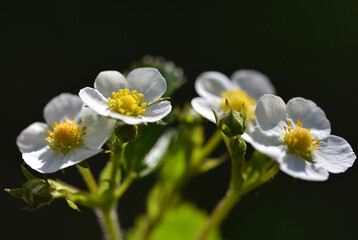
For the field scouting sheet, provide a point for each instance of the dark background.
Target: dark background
(308, 49)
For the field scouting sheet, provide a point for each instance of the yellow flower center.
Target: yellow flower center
(300, 141)
(238, 98)
(65, 135)
(127, 102)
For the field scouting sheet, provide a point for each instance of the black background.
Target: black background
(307, 48)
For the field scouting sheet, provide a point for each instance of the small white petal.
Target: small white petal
(271, 114)
(253, 82)
(77, 155)
(64, 106)
(147, 81)
(211, 84)
(335, 154)
(130, 120)
(204, 108)
(310, 115)
(98, 129)
(95, 100)
(297, 167)
(108, 82)
(45, 160)
(33, 137)
(269, 145)
(157, 111)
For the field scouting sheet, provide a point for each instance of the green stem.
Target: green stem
(219, 213)
(233, 195)
(109, 222)
(124, 185)
(89, 180)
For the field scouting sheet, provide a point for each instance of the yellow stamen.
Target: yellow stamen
(300, 140)
(238, 98)
(127, 102)
(65, 135)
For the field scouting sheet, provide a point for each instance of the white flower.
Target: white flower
(245, 86)
(71, 134)
(298, 136)
(133, 100)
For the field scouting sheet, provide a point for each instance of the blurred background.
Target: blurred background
(307, 48)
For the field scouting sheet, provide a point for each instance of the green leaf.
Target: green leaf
(27, 174)
(136, 150)
(153, 158)
(182, 222)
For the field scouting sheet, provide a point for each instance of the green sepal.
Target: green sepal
(83, 164)
(27, 174)
(16, 192)
(72, 205)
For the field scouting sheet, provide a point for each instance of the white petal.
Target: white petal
(310, 115)
(269, 145)
(271, 114)
(204, 108)
(157, 111)
(33, 137)
(130, 120)
(297, 167)
(253, 82)
(147, 81)
(335, 154)
(108, 82)
(64, 106)
(77, 155)
(95, 100)
(98, 129)
(211, 84)
(45, 160)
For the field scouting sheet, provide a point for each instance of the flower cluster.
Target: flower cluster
(113, 116)
(77, 127)
(297, 136)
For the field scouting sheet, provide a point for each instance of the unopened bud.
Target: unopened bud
(126, 133)
(231, 123)
(37, 192)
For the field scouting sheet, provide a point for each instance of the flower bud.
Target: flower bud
(126, 133)
(37, 192)
(231, 123)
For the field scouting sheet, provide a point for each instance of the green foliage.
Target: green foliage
(259, 169)
(182, 222)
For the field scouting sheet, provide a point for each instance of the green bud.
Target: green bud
(126, 133)
(37, 192)
(231, 123)
(238, 147)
